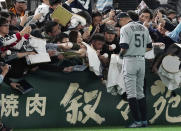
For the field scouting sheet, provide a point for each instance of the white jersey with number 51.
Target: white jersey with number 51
(137, 37)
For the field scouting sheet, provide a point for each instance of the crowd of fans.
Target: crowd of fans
(100, 32)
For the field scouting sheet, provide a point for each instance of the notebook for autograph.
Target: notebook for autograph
(62, 15)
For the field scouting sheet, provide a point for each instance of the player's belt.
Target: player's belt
(134, 56)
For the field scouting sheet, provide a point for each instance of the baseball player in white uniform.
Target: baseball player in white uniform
(134, 39)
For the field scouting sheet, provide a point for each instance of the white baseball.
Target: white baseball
(8, 52)
(162, 47)
(105, 55)
(113, 46)
(70, 44)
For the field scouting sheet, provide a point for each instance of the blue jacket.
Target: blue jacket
(174, 35)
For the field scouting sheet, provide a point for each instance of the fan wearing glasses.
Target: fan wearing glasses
(10, 42)
(7, 40)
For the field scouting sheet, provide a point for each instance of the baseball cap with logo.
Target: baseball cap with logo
(21, 1)
(110, 29)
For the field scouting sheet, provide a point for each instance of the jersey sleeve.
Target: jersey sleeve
(124, 38)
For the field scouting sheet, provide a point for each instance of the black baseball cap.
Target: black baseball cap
(110, 29)
(122, 15)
